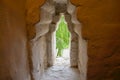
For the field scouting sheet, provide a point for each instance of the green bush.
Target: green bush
(62, 36)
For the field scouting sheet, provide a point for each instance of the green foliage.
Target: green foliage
(62, 36)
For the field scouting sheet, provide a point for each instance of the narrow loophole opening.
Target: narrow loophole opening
(63, 42)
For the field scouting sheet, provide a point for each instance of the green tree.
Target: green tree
(62, 36)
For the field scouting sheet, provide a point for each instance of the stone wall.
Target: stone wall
(13, 39)
(50, 13)
(39, 57)
(33, 16)
(38, 27)
(100, 26)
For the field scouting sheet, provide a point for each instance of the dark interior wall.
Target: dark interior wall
(13, 51)
(101, 27)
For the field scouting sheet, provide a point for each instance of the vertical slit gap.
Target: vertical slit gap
(63, 42)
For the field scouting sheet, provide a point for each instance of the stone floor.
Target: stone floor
(61, 73)
(61, 69)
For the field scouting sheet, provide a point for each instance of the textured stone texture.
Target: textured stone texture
(39, 57)
(81, 46)
(38, 41)
(100, 26)
(32, 15)
(13, 39)
(46, 26)
(61, 73)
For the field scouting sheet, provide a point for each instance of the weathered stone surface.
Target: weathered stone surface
(100, 22)
(100, 26)
(61, 73)
(39, 57)
(38, 41)
(13, 40)
(32, 15)
(73, 25)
